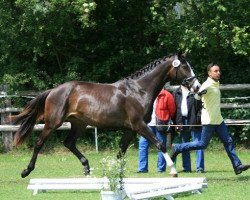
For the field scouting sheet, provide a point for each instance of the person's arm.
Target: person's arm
(202, 91)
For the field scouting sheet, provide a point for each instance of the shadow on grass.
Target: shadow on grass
(244, 178)
(239, 178)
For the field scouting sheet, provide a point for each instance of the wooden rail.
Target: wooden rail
(39, 127)
(229, 87)
(235, 87)
(235, 105)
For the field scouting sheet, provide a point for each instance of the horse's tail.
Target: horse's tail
(28, 118)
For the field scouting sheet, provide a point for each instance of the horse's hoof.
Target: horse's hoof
(25, 173)
(174, 175)
(86, 172)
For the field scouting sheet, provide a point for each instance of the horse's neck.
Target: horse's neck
(153, 82)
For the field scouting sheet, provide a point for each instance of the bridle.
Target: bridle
(177, 64)
(188, 80)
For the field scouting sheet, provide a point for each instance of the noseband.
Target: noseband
(186, 82)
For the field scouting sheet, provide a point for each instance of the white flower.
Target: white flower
(113, 170)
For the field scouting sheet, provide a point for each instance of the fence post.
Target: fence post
(6, 136)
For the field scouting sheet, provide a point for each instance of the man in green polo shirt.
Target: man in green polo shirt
(212, 121)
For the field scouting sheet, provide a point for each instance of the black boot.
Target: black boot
(241, 168)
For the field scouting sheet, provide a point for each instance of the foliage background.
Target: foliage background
(45, 43)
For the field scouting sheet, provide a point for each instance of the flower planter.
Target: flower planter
(110, 195)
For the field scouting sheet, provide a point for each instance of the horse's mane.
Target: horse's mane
(148, 67)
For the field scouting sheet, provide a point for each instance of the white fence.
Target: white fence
(39, 127)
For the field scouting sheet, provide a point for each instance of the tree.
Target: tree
(217, 31)
(45, 43)
(42, 46)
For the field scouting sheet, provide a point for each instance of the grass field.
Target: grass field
(222, 182)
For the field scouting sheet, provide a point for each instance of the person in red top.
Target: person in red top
(163, 110)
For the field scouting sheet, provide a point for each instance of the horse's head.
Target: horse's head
(182, 72)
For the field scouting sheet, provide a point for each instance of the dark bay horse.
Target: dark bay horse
(126, 104)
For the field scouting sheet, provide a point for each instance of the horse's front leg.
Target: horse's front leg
(144, 131)
(70, 143)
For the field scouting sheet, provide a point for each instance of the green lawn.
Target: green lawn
(222, 182)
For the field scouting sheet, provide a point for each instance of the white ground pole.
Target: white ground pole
(135, 188)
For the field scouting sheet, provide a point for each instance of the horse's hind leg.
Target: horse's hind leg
(70, 143)
(127, 137)
(38, 145)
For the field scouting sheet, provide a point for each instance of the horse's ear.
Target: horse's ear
(185, 54)
(187, 51)
(179, 54)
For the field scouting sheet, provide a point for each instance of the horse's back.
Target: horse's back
(92, 103)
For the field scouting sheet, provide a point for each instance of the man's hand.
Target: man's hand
(202, 92)
(198, 95)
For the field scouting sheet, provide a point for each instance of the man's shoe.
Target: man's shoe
(173, 154)
(200, 171)
(241, 168)
(185, 171)
(141, 172)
